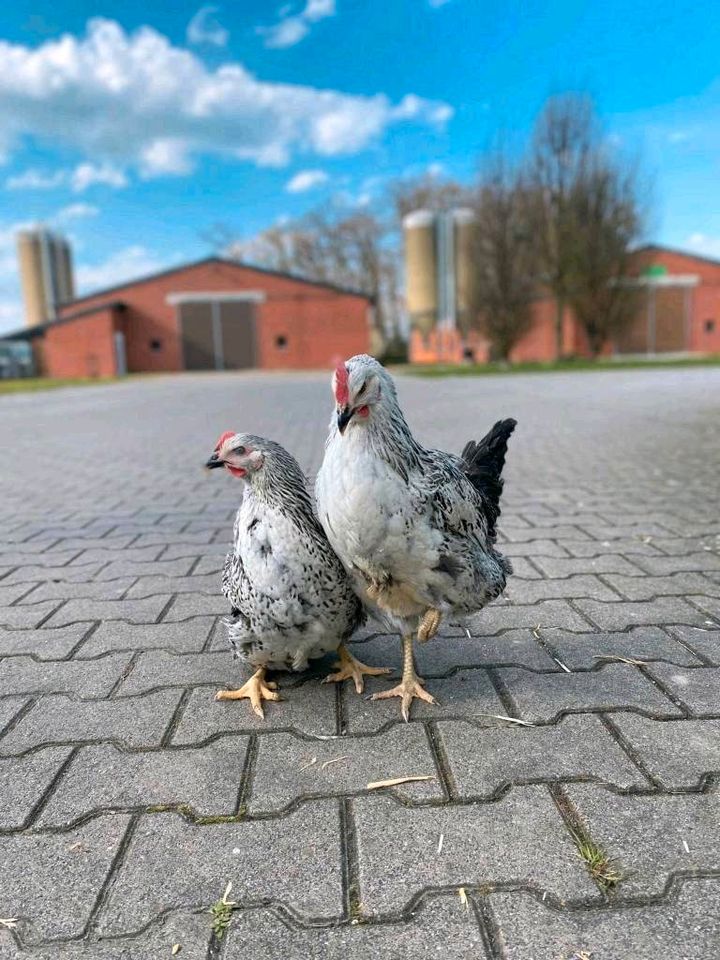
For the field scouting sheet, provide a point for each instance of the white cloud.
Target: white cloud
(292, 28)
(128, 263)
(165, 156)
(306, 180)
(76, 211)
(88, 174)
(83, 176)
(205, 30)
(704, 245)
(36, 180)
(113, 96)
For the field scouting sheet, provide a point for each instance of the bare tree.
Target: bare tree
(566, 134)
(506, 266)
(606, 221)
(345, 247)
(426, 193)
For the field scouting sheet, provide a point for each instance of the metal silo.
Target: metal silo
(465, 237)
(46, 274)
(421, 270)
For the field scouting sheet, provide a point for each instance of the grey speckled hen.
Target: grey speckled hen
(415, 528)
(291, 598)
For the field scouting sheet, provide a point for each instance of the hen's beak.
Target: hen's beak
(344, 418)
(214, 462)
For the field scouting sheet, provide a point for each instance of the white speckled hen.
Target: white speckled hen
(291, 598)
(415, 528)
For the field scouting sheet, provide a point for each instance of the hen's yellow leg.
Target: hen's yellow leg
(353, 669)
(255, 690)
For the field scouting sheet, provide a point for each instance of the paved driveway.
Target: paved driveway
(129, 798)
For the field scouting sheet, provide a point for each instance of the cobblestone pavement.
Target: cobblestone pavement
(130, 798)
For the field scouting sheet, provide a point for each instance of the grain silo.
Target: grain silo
(421, 269)
(46, 274)
(465, 236)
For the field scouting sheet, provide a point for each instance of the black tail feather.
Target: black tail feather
(483, 464)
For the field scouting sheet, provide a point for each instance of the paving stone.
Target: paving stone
(466, 693)
(483, 761)
(24, 780)
(91, 590)
(295, 860)
(190, 636)
(523, 591)
(523, 570)
(211, 564)
(190, 930)
(53, 880)
(157, 568)
(45, 644)
(630, 546)
(195, 605)
(158, 538)
(28, 616)
(581, 651)
(678, 753)
(175, 551)
(207, 780)
(157, 668)
(681, 584)
(698, 689)
(64, 574)
(650, 838)
(308, 708)
(619, 616)
(443, 927)
(288, 767)
(149, 586)
(134, 722)
(684, 546)
(554, 532)
(398, 848)
(711, 605)
(23, 558)
(703, 640)
(134, 611)
(534, 548)
(604, 563)
(103, 555)
(87, 680)
(9, 707)
(543, 697)
(443, 655)
(686, 928)
(92, 543)
(12, 592)
(665, 566)
(545, 613)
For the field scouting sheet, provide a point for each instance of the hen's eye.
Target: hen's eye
(240, 450)
(361, 391)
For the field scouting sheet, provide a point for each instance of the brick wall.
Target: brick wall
(317, 323)
(83, 347)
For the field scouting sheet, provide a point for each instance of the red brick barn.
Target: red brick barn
(211, 315)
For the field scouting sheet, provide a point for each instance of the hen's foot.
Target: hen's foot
(353, 669)
(409, 688)
(429, 625)
(255, 690)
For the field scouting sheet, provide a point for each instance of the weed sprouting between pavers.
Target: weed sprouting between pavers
(221, 912)
(602, 869)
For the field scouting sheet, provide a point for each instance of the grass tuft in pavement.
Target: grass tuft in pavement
(602, 868)
(221, 912)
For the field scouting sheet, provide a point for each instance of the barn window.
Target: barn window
(156, 345)
(281, 342)
(709, 326)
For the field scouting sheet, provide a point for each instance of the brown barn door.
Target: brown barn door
(237, 327)
(670, 319)
(196, 331)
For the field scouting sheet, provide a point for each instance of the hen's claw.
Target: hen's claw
(353, 669)
(408, 689)
(255, 690)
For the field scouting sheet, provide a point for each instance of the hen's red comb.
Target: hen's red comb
(342, 392)
(223, 437)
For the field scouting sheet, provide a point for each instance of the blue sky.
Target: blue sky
(133, 132)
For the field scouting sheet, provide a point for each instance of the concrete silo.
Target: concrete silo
(465, 237)
(46, 274)
(421, 270)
